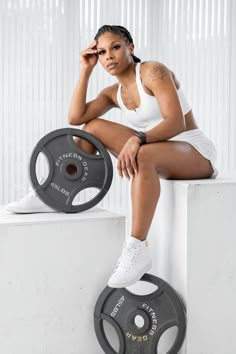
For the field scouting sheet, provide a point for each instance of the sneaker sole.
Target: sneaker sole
(131, 282)
(30, 211)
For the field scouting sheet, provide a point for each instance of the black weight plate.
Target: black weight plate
(159, 310)
(71, 170)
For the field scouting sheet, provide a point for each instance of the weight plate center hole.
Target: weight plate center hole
(71, 169)
(139, 321)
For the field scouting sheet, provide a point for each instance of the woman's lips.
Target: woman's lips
(111, 66)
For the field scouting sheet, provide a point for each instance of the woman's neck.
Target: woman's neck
(128, 77)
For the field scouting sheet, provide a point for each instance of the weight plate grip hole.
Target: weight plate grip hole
(71, 169)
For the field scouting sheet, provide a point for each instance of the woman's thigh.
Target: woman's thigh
(112, 135)
(175, 160)
(172, 159)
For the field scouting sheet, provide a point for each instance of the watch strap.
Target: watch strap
(142, 136)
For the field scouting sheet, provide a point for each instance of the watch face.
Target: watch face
(142, 137)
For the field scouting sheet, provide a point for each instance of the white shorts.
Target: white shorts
(202, 144)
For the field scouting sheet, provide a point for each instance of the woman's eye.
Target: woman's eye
(102, 52)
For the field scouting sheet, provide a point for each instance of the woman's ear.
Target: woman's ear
(131, 48)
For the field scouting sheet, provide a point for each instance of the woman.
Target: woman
(161, 141)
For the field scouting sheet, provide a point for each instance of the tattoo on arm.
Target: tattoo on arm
(158, 72)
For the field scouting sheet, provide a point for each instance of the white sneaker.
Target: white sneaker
(29, 204)
(133, 263)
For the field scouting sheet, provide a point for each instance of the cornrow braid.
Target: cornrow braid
(125, 33)
(122, 31)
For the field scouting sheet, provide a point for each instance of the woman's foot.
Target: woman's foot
(133, 263)
(29, 204)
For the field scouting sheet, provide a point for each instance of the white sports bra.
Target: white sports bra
(148, 114)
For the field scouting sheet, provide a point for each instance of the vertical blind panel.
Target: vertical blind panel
(195, 39)
(39, 66)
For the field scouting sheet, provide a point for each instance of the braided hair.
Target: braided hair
(122, 31)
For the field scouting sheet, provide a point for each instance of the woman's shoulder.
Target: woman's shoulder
(111, 92)
(154, 69)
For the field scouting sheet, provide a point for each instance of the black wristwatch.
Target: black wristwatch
(142, 137)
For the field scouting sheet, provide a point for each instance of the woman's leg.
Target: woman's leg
(176, 160)
(112, 135)
(168, 160)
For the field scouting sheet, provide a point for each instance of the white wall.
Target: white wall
(39, 64)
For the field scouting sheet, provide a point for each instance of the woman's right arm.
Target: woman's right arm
(80, 111)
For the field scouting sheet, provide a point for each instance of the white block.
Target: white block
(53, 267)
(193, 240)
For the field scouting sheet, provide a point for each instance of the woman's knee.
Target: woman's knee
(143, 157)
(147, 161)
(92, 126)
(84, 144)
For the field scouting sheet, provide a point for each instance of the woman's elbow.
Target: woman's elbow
(73, 120)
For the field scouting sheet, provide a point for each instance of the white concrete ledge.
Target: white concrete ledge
(53, 267)
(193, 240)
(7, 218)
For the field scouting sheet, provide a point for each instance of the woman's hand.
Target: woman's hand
(89, 56)
(127, 164)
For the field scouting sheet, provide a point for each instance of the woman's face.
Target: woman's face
(114, 53)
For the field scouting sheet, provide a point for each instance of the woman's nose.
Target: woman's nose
(109, 56)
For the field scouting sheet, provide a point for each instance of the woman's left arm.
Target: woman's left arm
(158, 79)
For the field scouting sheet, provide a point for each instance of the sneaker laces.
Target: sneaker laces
(31, 192)
(127, 258)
